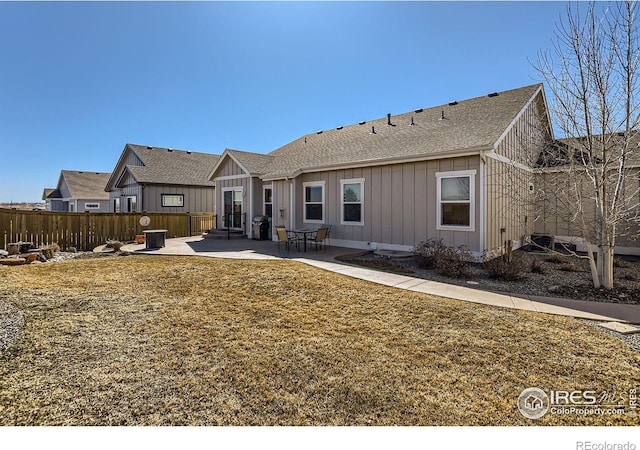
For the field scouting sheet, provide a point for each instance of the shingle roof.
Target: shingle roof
(170, 166)
(253, 162)
(86, 185)
(467, 125)
(47, 193)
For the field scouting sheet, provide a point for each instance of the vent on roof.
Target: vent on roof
(149, 147)
(453, 103)
(339, 128)
(362, 122)
(442, 117)
(80, 172)
(493, 94)
(389, 120)
(412, 122)
(188, 152)
(419, 110)
(319, 132)
(169, 149)
(373, 130)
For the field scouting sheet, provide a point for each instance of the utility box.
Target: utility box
(154, 238)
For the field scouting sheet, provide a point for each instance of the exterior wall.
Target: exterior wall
(229, 168)
(510, 186)
(104, 205)
(244, 184)
(400, 203)
(196, 198)
(59, 205)
(556, 212)
(124, 192)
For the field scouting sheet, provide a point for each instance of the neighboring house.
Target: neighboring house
(157, 179)
(462, 172)
(78, 191)
(561, 171)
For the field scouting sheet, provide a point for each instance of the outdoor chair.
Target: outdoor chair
(320, 237)
(328, 227)
(287, 237)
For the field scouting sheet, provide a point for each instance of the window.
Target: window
(314, 202)
(268, 202)
(175, 200)
(92, 206)
(116, 205)
(131, 203)
(352, 201)
(456, 200)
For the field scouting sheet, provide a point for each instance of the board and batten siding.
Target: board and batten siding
(196, 198)
(400, 203)
(510, 186)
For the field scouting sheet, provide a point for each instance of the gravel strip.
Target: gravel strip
(633, 340)
(11, 323)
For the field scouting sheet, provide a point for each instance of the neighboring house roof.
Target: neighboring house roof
(161, 165)
(47, 193)
(468, 125)
(81, 185)
(561, 152)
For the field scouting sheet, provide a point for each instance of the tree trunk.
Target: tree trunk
(595, 273)
(607, 267)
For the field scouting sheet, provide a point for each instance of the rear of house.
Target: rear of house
(461, 172)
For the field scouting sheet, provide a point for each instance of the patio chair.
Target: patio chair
(328, 227)
(320, 237)
(287, 237)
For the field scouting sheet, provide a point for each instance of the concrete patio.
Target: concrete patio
(254, 249)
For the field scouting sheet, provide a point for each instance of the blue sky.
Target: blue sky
(79, 80)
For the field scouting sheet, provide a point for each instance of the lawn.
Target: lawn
(143, 340)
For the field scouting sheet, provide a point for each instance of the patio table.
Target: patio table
(304, 232)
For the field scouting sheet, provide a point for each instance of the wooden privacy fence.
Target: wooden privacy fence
(87, 230)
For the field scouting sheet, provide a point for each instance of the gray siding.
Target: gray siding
(196, 198)
(399, 203)
(104, 205)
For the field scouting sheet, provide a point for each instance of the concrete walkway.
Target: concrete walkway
(252, 249)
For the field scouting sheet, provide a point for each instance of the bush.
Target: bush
(620, 263)
(508, 266)
(115, 245)
(568, 267)
(448, 261)
(554, 258)
(536, 266)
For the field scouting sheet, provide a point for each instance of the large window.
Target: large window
(268, 202)
(456, 200)
(173, 200)
(314, 202)
(352, 203)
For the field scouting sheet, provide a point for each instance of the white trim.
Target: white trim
(483, 202)
(503, 159)
(232, 177)
(304, 201)
(162, 200)
(472, 200)
(352, 181)
(515, 120)
(220, 161)
(234, 189)
(249, 217)
(264, 203)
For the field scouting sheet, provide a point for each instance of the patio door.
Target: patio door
(232, 199)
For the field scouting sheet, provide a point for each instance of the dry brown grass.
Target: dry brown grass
(176, 340)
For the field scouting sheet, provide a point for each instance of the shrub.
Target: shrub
(115, 245)
(536, 266)
(568, 267)
(554, 258)
(427, 252)
(508, 266)
(448, 261)
(620, 263)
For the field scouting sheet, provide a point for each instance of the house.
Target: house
(567, 209)
(78, 191)
(461, 171)
(158, 179)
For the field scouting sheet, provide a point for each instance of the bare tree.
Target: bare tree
(592, 172)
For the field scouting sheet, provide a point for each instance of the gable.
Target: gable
(126, 179)
(127, 158)
(228, 167)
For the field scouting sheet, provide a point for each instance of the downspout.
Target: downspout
(483, 215)
(291, 204)
(248, 224)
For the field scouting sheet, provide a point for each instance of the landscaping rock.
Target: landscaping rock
(13, 261)
(4, 253)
